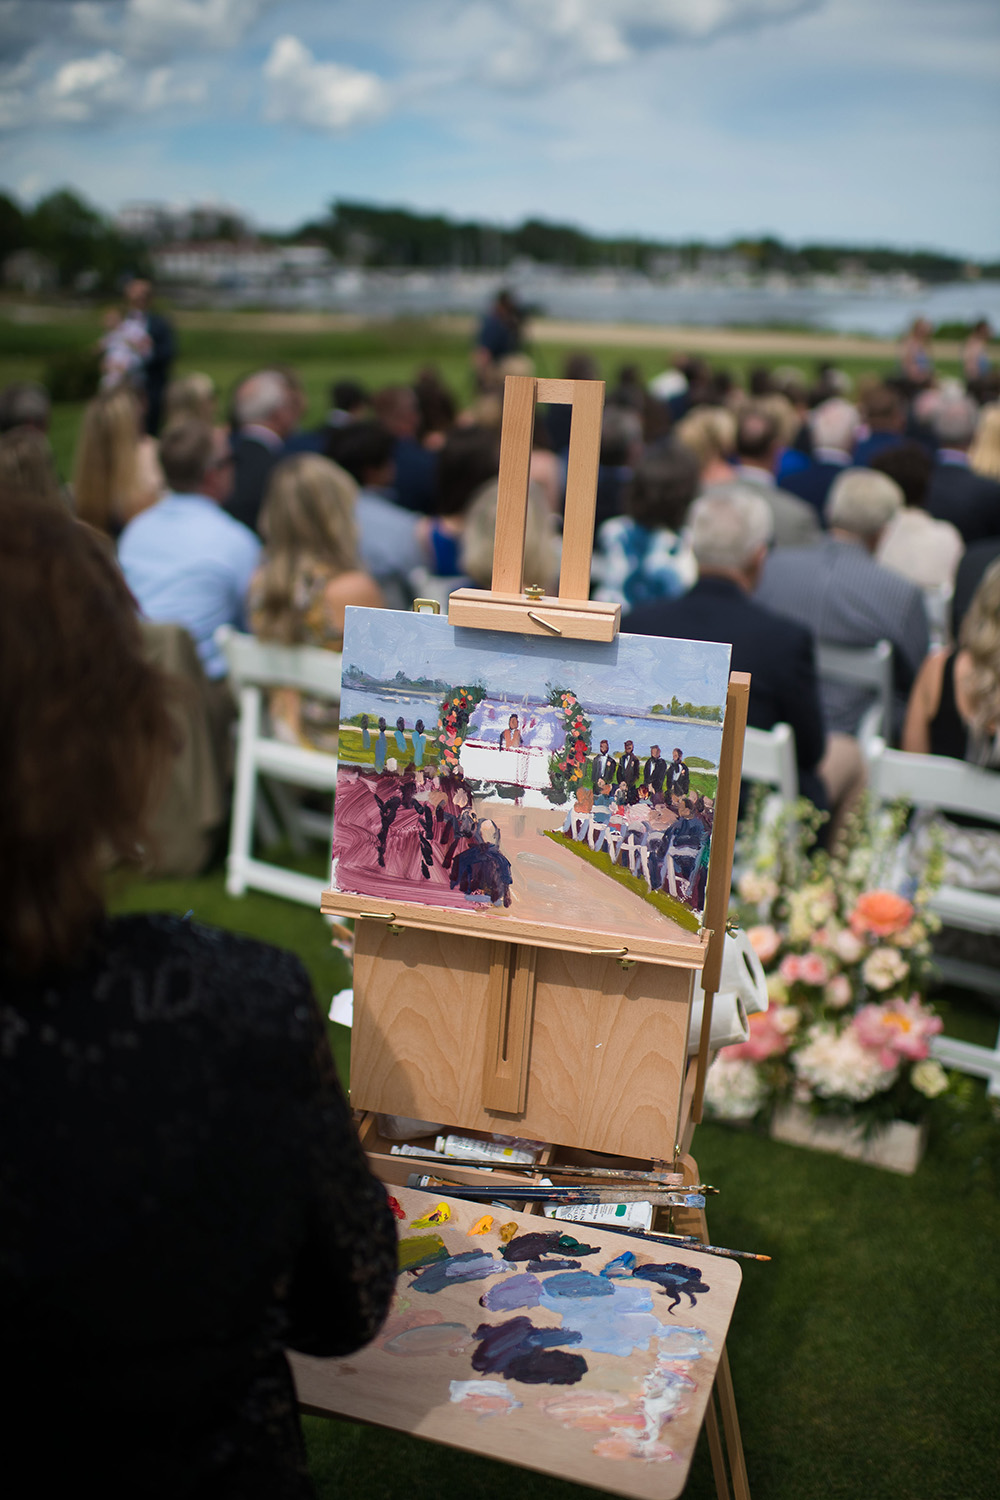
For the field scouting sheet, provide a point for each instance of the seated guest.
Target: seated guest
(27, 466)
(192, 395)
(265, 411)
(469, 458)
(843, 596)
(954, 710)
(186, 561)
(758, 449)
(984, 450)
(541, 551)
(309, 574)
(884, 415)
(832, 426)
(956, 492)
(398, 410)
(25, 404)
(621, 448)
(731, 527)
(183, 1195)
(913, 543)
(116, 469)
(641, 555)
(391, 541)
(348, 403)
(710, 433)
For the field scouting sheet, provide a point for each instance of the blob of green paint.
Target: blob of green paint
(420, 1250)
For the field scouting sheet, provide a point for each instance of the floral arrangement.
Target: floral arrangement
(847, 959)
(569, 765)
(453, 721)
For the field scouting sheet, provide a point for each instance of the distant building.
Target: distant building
(164, 223)
(245, 264)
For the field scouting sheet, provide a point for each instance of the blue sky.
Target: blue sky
(630, 674)
(839, 120)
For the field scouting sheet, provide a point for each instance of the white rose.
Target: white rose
(929, 1078)
(883, 968)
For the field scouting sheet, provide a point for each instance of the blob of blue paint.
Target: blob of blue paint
(622, 1265)
(515, 1291)
(471, 1265)
(578, 1284)
(674, 1280)
(520, 1351)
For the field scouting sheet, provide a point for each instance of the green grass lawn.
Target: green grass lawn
(375, 355)
(865, 1356)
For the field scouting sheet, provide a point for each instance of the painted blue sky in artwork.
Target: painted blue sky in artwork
(626, 676)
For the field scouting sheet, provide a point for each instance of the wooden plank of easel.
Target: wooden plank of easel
(607, 1046)
(720, 873)
(508, 1024)
(512, 497)
(680, 949)
(555, 392)
(581, 489)
(484, 610)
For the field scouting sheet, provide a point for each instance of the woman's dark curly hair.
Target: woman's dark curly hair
(87, 737)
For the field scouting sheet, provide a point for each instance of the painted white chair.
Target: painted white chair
(934, 781)
(862, 667)
(769, 758)
(255, 666)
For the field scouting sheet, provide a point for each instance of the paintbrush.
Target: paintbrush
(686, 1242)
(554, 1169)
(538, 1194)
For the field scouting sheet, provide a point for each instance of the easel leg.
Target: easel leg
(731, 1428)
(715, 1449)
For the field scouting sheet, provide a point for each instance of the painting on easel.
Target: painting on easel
(517, 775)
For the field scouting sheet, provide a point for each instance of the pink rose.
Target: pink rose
(790, 968)
(813, 969)
(897, 1029)
(764, 941)
(838, 992)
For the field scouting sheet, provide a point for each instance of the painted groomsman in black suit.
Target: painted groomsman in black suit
(602, 768)
(628, 772)
(678, 780)
(654, 770)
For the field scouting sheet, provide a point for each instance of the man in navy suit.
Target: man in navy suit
(832, 425)
(731, 527)
(956, 493)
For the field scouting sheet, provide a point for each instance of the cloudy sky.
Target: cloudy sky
(841, 120)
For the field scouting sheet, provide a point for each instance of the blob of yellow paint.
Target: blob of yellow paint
(481, 1226)
(439, 1214)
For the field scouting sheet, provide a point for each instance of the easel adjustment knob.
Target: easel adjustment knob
(534, 591)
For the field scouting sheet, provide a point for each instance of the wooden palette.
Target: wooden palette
(602, 1379)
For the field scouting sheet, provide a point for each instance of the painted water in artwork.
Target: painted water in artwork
(521, 777)
(557, 1345)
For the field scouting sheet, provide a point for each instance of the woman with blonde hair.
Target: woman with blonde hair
(116, 470)
(191, 395)
(984, 451)
(710, 433)
(954, 710)
(309, 575)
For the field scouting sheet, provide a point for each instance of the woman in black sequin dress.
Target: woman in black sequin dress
(182, 1194)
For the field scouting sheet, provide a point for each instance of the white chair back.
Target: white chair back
(863, 667)
(769, 757)
(253, 667)
(935, 781)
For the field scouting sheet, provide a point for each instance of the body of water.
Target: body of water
(882, 307)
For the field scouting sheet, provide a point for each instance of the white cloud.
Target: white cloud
(87, 90)
(165, 28)
(324, 96)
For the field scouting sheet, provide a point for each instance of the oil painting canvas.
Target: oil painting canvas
(527, 778)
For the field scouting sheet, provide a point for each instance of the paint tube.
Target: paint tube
(612, 1215)
(416, 1151)
(462, 1145)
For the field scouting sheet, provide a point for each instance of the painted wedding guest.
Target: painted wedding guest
(182, 1194)
(309, 574)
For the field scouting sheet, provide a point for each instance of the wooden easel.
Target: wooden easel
(576, 1038)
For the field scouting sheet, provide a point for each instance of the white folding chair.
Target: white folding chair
(769, 757)
(934, 781)
(862, 667)
(255, 666)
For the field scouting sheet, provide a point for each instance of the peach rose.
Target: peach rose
(881, 913)
(764, 941)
